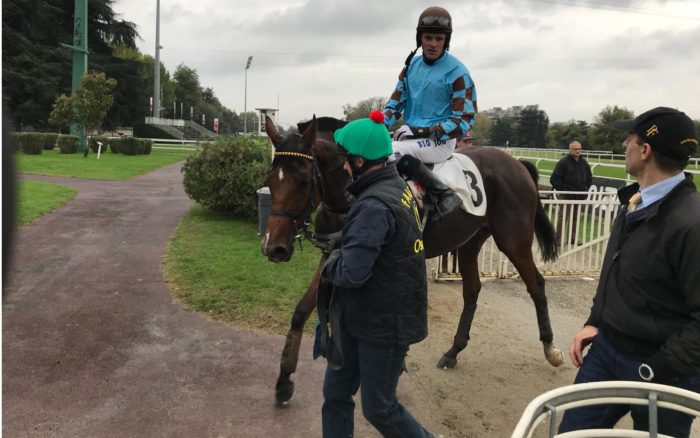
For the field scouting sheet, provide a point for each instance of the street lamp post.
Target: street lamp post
(245, 96)
(156, 66)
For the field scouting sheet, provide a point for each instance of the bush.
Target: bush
(31, 143)
(50, 141)
(92, 141)
(130, 146)
(133, 146)
(147, 146)
(225, 175)
(68, 144)
(114, 144)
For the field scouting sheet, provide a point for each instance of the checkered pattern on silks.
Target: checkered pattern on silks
(464, 108)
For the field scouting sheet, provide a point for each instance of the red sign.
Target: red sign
(216, 125)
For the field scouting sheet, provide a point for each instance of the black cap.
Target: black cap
(668, 131)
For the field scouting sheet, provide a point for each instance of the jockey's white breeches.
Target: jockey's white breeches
(428, 150)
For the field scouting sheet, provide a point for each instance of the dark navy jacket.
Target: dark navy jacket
(648, 297)
(572, 175)
(380, 278)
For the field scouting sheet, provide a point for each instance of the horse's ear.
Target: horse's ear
(309, 137)
(271, 131)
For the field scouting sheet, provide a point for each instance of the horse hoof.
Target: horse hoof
(447, 362)
(555, 357)
(284, 395)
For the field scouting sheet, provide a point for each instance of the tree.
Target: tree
(187, 87)
(504, 133)
(532, 127)
(363, 108)
(481, 131)
(602, 135)
(560, 134)
(36, 70)
(88, 105)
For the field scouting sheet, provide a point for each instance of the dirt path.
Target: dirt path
(95, 345)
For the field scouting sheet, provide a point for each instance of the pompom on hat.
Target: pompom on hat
(367, 138)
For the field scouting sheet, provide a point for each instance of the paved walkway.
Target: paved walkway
(95, 345)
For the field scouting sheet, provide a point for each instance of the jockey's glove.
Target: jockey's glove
(406, 132)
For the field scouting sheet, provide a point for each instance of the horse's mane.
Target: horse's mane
(324, 124)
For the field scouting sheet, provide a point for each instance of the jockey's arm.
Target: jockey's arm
(396, 103)
(464, 110)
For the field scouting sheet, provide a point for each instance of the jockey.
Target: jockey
(437, 97)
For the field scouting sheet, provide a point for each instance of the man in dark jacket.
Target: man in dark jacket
(379, 303)
(645, 321)
(571, 174)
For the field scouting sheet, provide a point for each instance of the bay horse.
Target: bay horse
(307, 175)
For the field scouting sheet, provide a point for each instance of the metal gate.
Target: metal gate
(582, 234)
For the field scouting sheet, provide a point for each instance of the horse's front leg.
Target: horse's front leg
(284, 389)
(471, 286)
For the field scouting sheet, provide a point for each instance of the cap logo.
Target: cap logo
(652, 131)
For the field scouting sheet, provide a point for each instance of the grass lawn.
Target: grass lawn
(37, 198)
(214, 265)
(110, 166)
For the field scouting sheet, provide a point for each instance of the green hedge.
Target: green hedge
(50, 140)
(92, 141)
(31, 143)
(114, 144)
(68, 144)
(135, 146)
(225, 175)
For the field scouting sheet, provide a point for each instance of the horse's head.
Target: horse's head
(294, 190)
(306, 170)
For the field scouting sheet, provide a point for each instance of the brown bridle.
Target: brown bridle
(295, 216)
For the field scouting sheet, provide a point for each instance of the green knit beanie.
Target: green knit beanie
(367, 138)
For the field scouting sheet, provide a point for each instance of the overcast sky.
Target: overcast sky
(572, 57)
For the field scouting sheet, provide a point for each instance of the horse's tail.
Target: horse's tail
(544, 231)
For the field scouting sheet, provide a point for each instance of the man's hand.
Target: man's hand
(580, 342)
(330, 242)
(406, 132)
(403, 133)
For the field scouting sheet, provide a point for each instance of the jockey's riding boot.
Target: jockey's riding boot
(446, 199)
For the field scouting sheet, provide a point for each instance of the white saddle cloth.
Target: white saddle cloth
(461, 175)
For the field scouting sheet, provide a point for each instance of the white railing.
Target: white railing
(593, 157)
(162, 121)
(655, 396)
(583, 228)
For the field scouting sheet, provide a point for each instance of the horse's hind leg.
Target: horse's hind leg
(519, 251)
(284, 389)
(471, 286)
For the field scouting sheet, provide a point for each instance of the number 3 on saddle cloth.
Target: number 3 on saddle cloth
(461, 175)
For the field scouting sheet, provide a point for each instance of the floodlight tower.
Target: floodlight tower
(245, 96)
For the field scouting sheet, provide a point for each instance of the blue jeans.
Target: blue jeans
(605, 362)
(376, 370)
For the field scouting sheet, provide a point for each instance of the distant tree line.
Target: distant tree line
(529, 127)
(36, 69)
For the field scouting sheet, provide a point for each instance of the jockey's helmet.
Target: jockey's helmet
(367, 138)
(434, 20)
